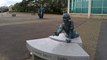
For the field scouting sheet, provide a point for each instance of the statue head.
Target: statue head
(66, 18)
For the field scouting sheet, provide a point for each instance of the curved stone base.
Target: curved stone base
(49, 49)
(62, 38)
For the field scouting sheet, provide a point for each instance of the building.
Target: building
(88, 7)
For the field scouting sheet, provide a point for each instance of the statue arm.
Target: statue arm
(72, 25)
(59, 30)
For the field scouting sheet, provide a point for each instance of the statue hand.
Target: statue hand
(56, 34)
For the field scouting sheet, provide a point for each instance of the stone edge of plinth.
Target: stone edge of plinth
(32, 49)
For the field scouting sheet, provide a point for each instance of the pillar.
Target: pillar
(68, 11)
(89, 8)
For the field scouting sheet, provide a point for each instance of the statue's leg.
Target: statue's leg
(39, 15)
(71, 34)
(76, 34)
(68, 40)
(42, 15)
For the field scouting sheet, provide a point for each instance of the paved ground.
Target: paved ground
(14, 31)
(102, 43)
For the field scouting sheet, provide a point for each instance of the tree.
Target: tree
(51, 6)
(4, 9)
(56, 6)
(18, 7)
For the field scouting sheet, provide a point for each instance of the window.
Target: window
(97, 4)
(78, 10)
(96, 10)
(104, 10)
(81, 6)
(104, 3)
(85, 4)
(84, 10)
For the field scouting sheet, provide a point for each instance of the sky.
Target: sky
(8, 2)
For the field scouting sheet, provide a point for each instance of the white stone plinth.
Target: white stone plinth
(62, 38)
(49, 49)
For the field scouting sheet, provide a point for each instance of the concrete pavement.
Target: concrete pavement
(102, 43)
(14, 31)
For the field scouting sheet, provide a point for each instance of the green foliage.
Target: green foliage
(18, 7)
(24, 6)
(56, 6)
(51, 6)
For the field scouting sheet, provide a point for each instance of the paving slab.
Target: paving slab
(101, 53)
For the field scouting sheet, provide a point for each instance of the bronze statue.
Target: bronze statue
(68, 28)
(41, 12)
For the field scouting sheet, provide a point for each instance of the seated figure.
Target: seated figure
(68, 27)
(41, 12)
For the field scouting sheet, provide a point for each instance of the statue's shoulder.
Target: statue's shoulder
(61, 25)
(71, 22)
